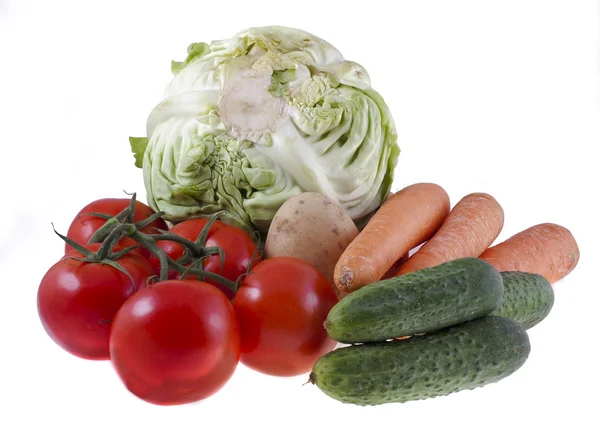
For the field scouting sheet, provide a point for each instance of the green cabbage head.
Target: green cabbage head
(248, 122)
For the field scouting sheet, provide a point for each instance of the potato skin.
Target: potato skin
(312, 227)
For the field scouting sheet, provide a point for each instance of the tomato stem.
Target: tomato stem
(76, 246)
(109, 242)
(103, 232)
(195, 251)
(166, 263)
(123, 224)
(119, 267)
(206, 275)
(149, 244)
(188, 244)
(145, 222)
(203, 236)
(123, 252)
(130, 217)
(151, 280)
(197, 264)
(104, 216)
(127, 215)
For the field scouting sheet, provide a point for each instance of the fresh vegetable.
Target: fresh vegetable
(407, 219)
(395, 267)
(419, 302)
(94, 215)
(239, 250)
(465, 356)
(248, 122)
(175, 342)
(527, 299)
(311, 227)
(546, 249)
(277, 135)
(281, 307)
(470, 228)
(77, 300)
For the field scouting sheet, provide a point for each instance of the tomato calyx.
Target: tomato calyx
(195, 253)
(105, 254)
(126, 216)
(123, 226)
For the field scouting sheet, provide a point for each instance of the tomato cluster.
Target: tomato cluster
(176, 309)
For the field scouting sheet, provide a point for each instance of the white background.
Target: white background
(495, 96)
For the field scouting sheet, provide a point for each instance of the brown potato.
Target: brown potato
(311, 227)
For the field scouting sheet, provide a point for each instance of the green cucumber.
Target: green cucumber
(464, 356)
(417, 302)
(527, 299)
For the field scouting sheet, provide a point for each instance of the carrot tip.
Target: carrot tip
(345, 281)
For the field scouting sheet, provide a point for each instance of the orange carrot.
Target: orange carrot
(395, 267)
(389, 274)
(407, 219)
(546, 249)
(471, 227)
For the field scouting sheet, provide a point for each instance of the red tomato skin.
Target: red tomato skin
(84, 225)
(175, 342)
(281, 307)
(238, 246)
(77, 301)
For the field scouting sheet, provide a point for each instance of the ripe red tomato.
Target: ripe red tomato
(84, 225)
(236, 244)
(175, 342)
(77, 300)
(281, 307)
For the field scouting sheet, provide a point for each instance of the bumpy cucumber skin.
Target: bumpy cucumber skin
(527, 299)
(465, 356)
(418, 302)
